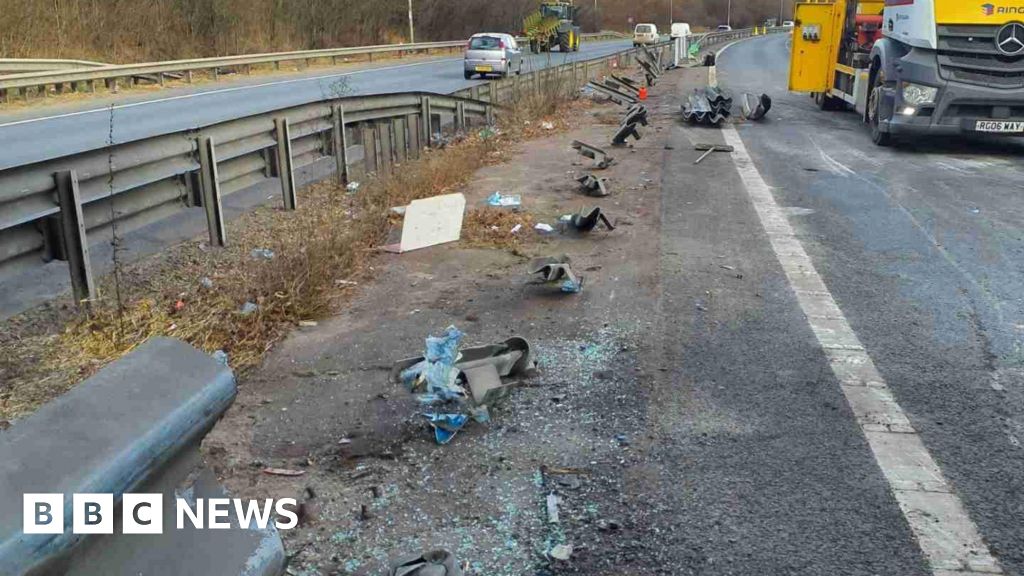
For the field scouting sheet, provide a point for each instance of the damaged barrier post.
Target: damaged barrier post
(623, 134)
(285, 162)
(590, 220)
(554, 269)
(209, 181)
(620, 98)
(593, 185)
(755, 108)
(596, 154)
(74, 241)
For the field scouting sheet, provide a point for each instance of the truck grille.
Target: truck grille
(968, 54)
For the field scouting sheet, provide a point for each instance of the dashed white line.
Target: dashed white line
(945, 533)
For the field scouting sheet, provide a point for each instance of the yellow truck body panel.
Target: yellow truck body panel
(816, 40)
(981, 12)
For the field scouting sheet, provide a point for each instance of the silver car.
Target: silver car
(493, 53)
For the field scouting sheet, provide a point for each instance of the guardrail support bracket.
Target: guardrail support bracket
(209, 181)
(340, 143)
(73, 237)
(285, 166)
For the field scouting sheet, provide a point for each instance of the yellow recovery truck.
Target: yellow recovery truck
(943, 67)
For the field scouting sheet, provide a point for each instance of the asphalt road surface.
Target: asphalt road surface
(921, 247)
(45, 134)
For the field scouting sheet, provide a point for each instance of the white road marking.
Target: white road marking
(223, 91)
(945, 533)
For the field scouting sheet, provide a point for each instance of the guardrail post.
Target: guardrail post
(474, 92)
(73, 237)
(285, 167)
(425, 112)
(209, 181)
(340, 141)
(460, 116)
(490, 114)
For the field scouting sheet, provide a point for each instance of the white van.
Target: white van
(680, 29)
(645, 34)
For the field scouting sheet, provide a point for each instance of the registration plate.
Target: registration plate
(484, 68)
(998, 126)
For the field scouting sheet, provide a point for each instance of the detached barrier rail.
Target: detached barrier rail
(56, 209)
(13, 85)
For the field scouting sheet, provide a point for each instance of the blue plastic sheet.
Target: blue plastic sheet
(446, 425)
(437, 370)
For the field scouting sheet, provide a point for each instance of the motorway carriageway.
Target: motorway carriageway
(921, 248)
(46, 133)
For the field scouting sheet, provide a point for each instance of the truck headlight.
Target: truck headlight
(917, 94)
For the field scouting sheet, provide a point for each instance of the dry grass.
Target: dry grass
(493, 228)
(331, 238)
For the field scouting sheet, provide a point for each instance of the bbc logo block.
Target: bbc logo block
(144, 513)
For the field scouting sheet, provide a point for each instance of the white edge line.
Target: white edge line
(948, 538)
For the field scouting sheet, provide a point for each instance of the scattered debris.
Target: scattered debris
(220, 356)
(542, 227)
(636, 114)
(554, 269)
(616, 96)
(623, 134)
(710, 149)
(262, 254)
(553, 508)
(561, 552)
(346, 283)
(433, 563)
(599, 156)
(755, 108)
(587, 222)
(400, 210)
(431, 221)
(448, 373)
(308, 323)
(593, 185)
(505, 201)
(248, 308)
(547, 125)
(283, 472)
(446, 425)
(206, 282)
(352, 187)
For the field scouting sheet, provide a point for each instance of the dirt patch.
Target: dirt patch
(378, 485)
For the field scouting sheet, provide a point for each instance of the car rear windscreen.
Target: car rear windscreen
(485, 43)
(644, 29)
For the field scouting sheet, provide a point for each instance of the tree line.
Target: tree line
(147, 30)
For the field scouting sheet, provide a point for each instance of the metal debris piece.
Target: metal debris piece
(637, 113)
(623, 134)
(593, 185)
(589, 221)
(627, 83)
(598, 155)
(433, 563)
(754, 107)
(554, 269)
(434, 372)
(710, 149)
(708, 106)
(621, 98)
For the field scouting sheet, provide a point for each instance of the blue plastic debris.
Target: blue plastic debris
(505, 201)
(437, 369)
(446, 425)
(572, 286)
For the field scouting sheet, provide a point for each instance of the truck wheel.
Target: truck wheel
(874, 111)
(467, 74)
(563, 43)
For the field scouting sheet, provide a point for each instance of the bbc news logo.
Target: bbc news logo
(144, 513)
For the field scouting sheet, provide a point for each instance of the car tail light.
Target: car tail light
(501, 44)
